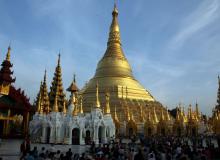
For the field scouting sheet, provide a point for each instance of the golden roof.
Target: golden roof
(45, 103)
(73, 87)
(57, 87)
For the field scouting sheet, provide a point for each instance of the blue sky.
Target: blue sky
(172, 46)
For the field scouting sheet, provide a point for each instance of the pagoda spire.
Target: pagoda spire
(116, 116)
(217, 107)
(97, 96)
(38, 94)
(8, 55)
(107, 107)
(6, 74)
(75, 110)
(57, 87)
(45, 98)
(114, 40)
(162, 118)
(81, 106)
(39, 104)
(64, 107)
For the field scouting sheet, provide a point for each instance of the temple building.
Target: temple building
(72, 126)
(112, 103)
(15, 108)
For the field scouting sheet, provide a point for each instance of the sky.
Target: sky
(172, 46)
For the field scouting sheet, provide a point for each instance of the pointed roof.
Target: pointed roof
(64, 107)
(218, 95)
(116, 116)
(97, 96)
(81, 106)
(45, 98)
(73, 87)
(5, 72)
(107, 107)
(57, 87)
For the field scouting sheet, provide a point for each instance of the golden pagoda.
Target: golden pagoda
(57, 86)
(114, 73)
(45, 103)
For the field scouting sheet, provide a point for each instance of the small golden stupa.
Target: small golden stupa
(114, 74)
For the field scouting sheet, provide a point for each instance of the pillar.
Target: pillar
(81, 138)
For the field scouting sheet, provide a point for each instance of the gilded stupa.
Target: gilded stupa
(114, 75)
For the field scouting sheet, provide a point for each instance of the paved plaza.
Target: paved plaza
(10, 149)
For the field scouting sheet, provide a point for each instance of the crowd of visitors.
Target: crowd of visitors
(153, 148)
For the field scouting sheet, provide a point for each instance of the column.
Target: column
(81, 138)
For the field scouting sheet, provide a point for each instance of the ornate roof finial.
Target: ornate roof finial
(81, 105)
(58, 62)
(45, 76)
(115, 115)
(97, 96)
(74, 78)
(75, 110)
(39, 104)
(57, 86)
(45, 98)
(64, 107)
(162, 115)
(107, 107)
(8, 55)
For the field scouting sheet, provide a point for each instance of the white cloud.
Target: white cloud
(204, 15)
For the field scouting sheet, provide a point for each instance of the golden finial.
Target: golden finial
(97, 96)
(162, 115)
(81, 105)
(39, 104)
(149, 118)
(107, 107)
(128, 113)
(75, 110)
(115, 115)
(8, 55)
(58, 62)
(74, 78)
(45, 76)
(64, 107)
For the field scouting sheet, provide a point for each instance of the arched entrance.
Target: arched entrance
(48, 135)
(88, 137)
(75, 136)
